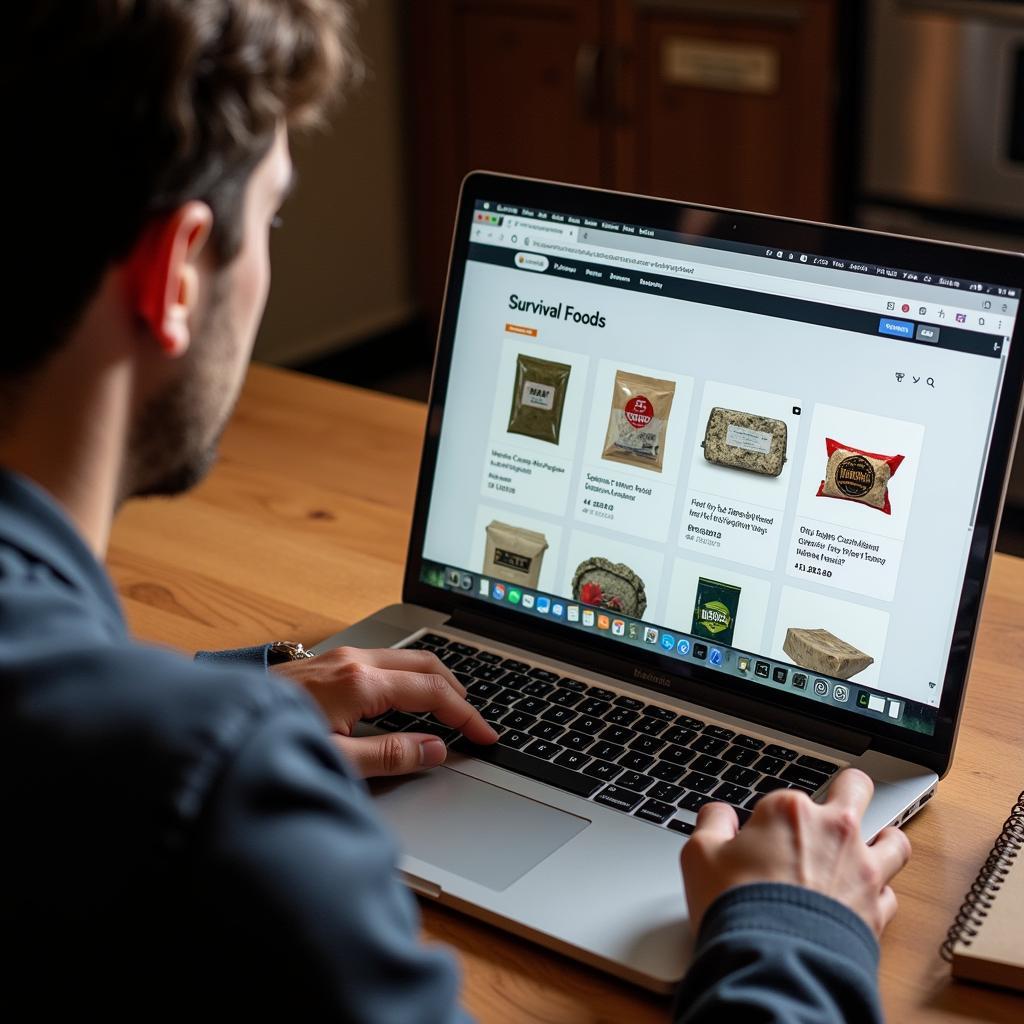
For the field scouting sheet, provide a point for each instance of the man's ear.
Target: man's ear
(161, 274)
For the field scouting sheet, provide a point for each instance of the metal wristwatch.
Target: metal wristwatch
(281, 651)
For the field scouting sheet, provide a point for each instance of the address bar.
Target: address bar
(747, 279)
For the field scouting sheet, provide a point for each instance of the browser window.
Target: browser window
(764, 461)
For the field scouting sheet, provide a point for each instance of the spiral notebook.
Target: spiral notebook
(986, 941)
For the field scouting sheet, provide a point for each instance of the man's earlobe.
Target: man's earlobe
(161, 275)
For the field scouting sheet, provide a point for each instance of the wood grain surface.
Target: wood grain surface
(302, 528)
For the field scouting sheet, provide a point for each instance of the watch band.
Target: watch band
(281, 651)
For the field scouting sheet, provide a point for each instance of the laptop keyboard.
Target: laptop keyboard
(639, 758)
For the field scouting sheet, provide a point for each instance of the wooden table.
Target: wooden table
(302, 527)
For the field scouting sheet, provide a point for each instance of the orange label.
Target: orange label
(520, 329)
(603, 622)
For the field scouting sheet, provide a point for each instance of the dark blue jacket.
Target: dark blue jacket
(183, 839)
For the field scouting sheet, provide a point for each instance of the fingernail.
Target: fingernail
(432, 751)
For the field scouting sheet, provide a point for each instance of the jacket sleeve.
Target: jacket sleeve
(296, 885)
(255, 657)
(771, 952)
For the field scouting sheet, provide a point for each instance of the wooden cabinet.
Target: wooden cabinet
(726, 102)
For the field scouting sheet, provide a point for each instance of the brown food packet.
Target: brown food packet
(538, 398)
(639, 420)
(514, 554)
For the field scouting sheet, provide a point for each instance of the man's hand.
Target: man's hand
(789, 838)
(350, 684)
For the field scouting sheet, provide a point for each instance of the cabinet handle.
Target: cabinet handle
(588, 92)
(731, 10)
(976, 11)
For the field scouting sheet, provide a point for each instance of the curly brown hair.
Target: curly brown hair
(122, 110)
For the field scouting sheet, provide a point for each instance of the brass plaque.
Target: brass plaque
(732, 67)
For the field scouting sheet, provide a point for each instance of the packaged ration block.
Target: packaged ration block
(714, 611)
(744, 440)
(638, 420)
(610, 585)
(538, 397)
(818, 650)
(855, 475)
(514, 554)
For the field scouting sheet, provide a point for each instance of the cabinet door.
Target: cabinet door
(501, 85)
(727, 102)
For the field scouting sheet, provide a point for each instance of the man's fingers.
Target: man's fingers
(887, 908)
(891, 849)
(396, 753)
(717, 821)
(399, 659)
(411, 691)
(851, 789)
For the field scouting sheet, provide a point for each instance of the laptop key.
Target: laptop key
(754, 800)
(477, 702)
(434, 728)
(635, 781)
(708, 765)
(678, 755)
(588, 724)
(600, 694)
(572, 684)
(433, 640)
(558, 715)
(740, 776)
(740, 755)
(494, 712)
(489, 656)
(655, 711)
(537, 688)
(516, 680)
(650, 726)
(806, 777)
(543, 674)
(576, 740)
(621, 716)
(636, 761)
(395, 721)
(701, 783)
(678, 825)
(719, 732)
(666, 791)
(731, 794)
(546, 730)
(690, 723)
(542, 748)
(481, 688)
(628, 702)
(516, 719)
(515, 666)
(646, 744)
(774, 750)
(770, 765)
(532, 705)
(708, 745)
(572, 759)
(449, 658)
(506, 697)
(593, 706)
(677, 734)
(620, 799)
(461, 648)
(505, 756)
(750, 742)
(607, 751)
(514, 738)
(465, 678)
(617, 734)
(656, 811)
(769, 785)
(492, 673)
(667, 771)
(603, 770)
(468, 665)
(816, 763)
(694, 801)
(566, 698)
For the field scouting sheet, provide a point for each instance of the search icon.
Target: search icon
(930, 382)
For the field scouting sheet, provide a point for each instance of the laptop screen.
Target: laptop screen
(760, 461)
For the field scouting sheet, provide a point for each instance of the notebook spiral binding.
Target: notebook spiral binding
(989, 881)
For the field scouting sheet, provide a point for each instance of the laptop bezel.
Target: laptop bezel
(692, 681)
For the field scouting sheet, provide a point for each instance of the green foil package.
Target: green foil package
(714, 610)
(538, 398)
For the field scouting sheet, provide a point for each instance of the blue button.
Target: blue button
(715, 656)
(897, 328)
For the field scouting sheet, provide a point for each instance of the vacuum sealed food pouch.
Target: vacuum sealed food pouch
(818, 650)
(745, 440)
(514, 554)
(638, 420)
(612, 585)
(714, 610)
(538, 398)
(856, 475)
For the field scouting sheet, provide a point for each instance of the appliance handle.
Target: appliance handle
(975, 10)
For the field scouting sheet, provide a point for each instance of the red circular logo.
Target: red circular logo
(905, 307)
(639, 412)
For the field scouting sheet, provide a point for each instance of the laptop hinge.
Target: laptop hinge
(712, 697)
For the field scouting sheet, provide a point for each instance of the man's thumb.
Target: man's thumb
(394, 753)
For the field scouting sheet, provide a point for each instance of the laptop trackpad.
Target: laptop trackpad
(471, 828)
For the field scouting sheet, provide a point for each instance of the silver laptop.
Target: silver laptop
(706, 508)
